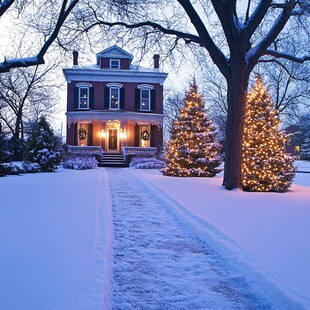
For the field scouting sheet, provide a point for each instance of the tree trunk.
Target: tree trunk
(237, 85)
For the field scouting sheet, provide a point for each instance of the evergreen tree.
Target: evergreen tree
(192, 149)
(305, 148)
(5, 155)
(265, 166)
(43, 147)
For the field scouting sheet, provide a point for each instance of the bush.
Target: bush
(80, 162)
(43, 147)
(31, 167)
(9, 169)
(146, 163)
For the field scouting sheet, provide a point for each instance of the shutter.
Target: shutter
(137, 135)
(90, 135)
(122, 98)
(75, 134)
(152, 141)
(76, 98)
(137, 99)
(91, 98)
(106, 97)
(153, 99)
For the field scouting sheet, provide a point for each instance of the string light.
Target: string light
(265, 165)
(192, 149)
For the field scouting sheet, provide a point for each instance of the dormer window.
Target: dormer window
(114, 63)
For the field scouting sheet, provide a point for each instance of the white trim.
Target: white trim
(84, 85)
(145, 86)
(118, 97)
(98, 75)
(149, 92)
(117, 128)
(118, 63)
(80, 88)
(115, 85)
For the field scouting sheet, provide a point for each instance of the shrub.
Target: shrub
(9, 169)
(43, 147)
(80, 162)
(31, 167)
(146, 163)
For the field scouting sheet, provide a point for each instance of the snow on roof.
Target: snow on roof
(115, 52)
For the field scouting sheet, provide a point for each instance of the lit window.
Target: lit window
(145, 99)
(297, 149)
(114, 63)
(83, 97)
(114, 97)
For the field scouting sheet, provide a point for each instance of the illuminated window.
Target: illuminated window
(297, 149)
(114, 97)
(83, 97)
(145, 99)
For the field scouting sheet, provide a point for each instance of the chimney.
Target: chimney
(75, 58)
(156, 61)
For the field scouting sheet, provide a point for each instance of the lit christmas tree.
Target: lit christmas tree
(265, 165)
(192, 149)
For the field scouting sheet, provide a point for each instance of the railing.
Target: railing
(139, 151)
(84, 150)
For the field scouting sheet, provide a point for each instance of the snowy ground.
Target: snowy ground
(135, 239)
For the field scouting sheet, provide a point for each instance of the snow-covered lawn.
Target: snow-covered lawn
(57, 236)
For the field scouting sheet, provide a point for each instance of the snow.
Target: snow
(137, 239)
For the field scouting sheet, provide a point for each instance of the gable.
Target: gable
(114, 52)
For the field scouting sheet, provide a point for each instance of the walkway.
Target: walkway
(160, 264)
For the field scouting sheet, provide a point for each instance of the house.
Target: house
(114, 106)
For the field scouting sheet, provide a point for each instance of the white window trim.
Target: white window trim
(118, 61)
(83, 87)
(145, 86)
(149, 91)
(110, 97)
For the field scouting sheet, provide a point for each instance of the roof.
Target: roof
(114, 52)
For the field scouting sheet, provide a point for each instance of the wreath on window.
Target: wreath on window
(145, 135)
(82, 134)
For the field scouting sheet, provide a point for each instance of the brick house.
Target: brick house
(114, 106)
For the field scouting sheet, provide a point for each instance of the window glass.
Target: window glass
(145, 99)
(83, 97)
(114, 63)
(114, 98)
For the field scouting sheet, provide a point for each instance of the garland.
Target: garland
(145, 135)
(82, 134)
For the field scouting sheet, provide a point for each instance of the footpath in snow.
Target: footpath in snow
(161, 262)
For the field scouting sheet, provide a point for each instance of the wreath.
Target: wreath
(145, 135)
(82, 134)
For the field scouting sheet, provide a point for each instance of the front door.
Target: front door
(113, 140)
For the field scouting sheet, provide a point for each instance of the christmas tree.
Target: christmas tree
(192, 149)
(265, 166)
(43, 146)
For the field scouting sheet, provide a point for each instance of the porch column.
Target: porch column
(100, 129)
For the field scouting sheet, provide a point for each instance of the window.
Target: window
(114, 97)
(114, 63)
(145, 99)
(145, 131)
(83, 97)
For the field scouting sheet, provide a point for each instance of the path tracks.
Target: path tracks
(159, 264)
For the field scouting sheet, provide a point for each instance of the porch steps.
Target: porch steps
(113, 160)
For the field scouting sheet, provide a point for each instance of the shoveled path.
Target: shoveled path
(160, 264)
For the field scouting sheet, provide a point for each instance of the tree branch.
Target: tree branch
(260, 49)
(4, 6)
(7, 65)
(278, 54)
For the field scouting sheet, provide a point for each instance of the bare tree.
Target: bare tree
(244, 47)
(52, 13)
(26, 93)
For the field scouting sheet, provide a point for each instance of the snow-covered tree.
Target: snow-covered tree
(43, 146)
(265, 165)
(305, 148)
(192, 149)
